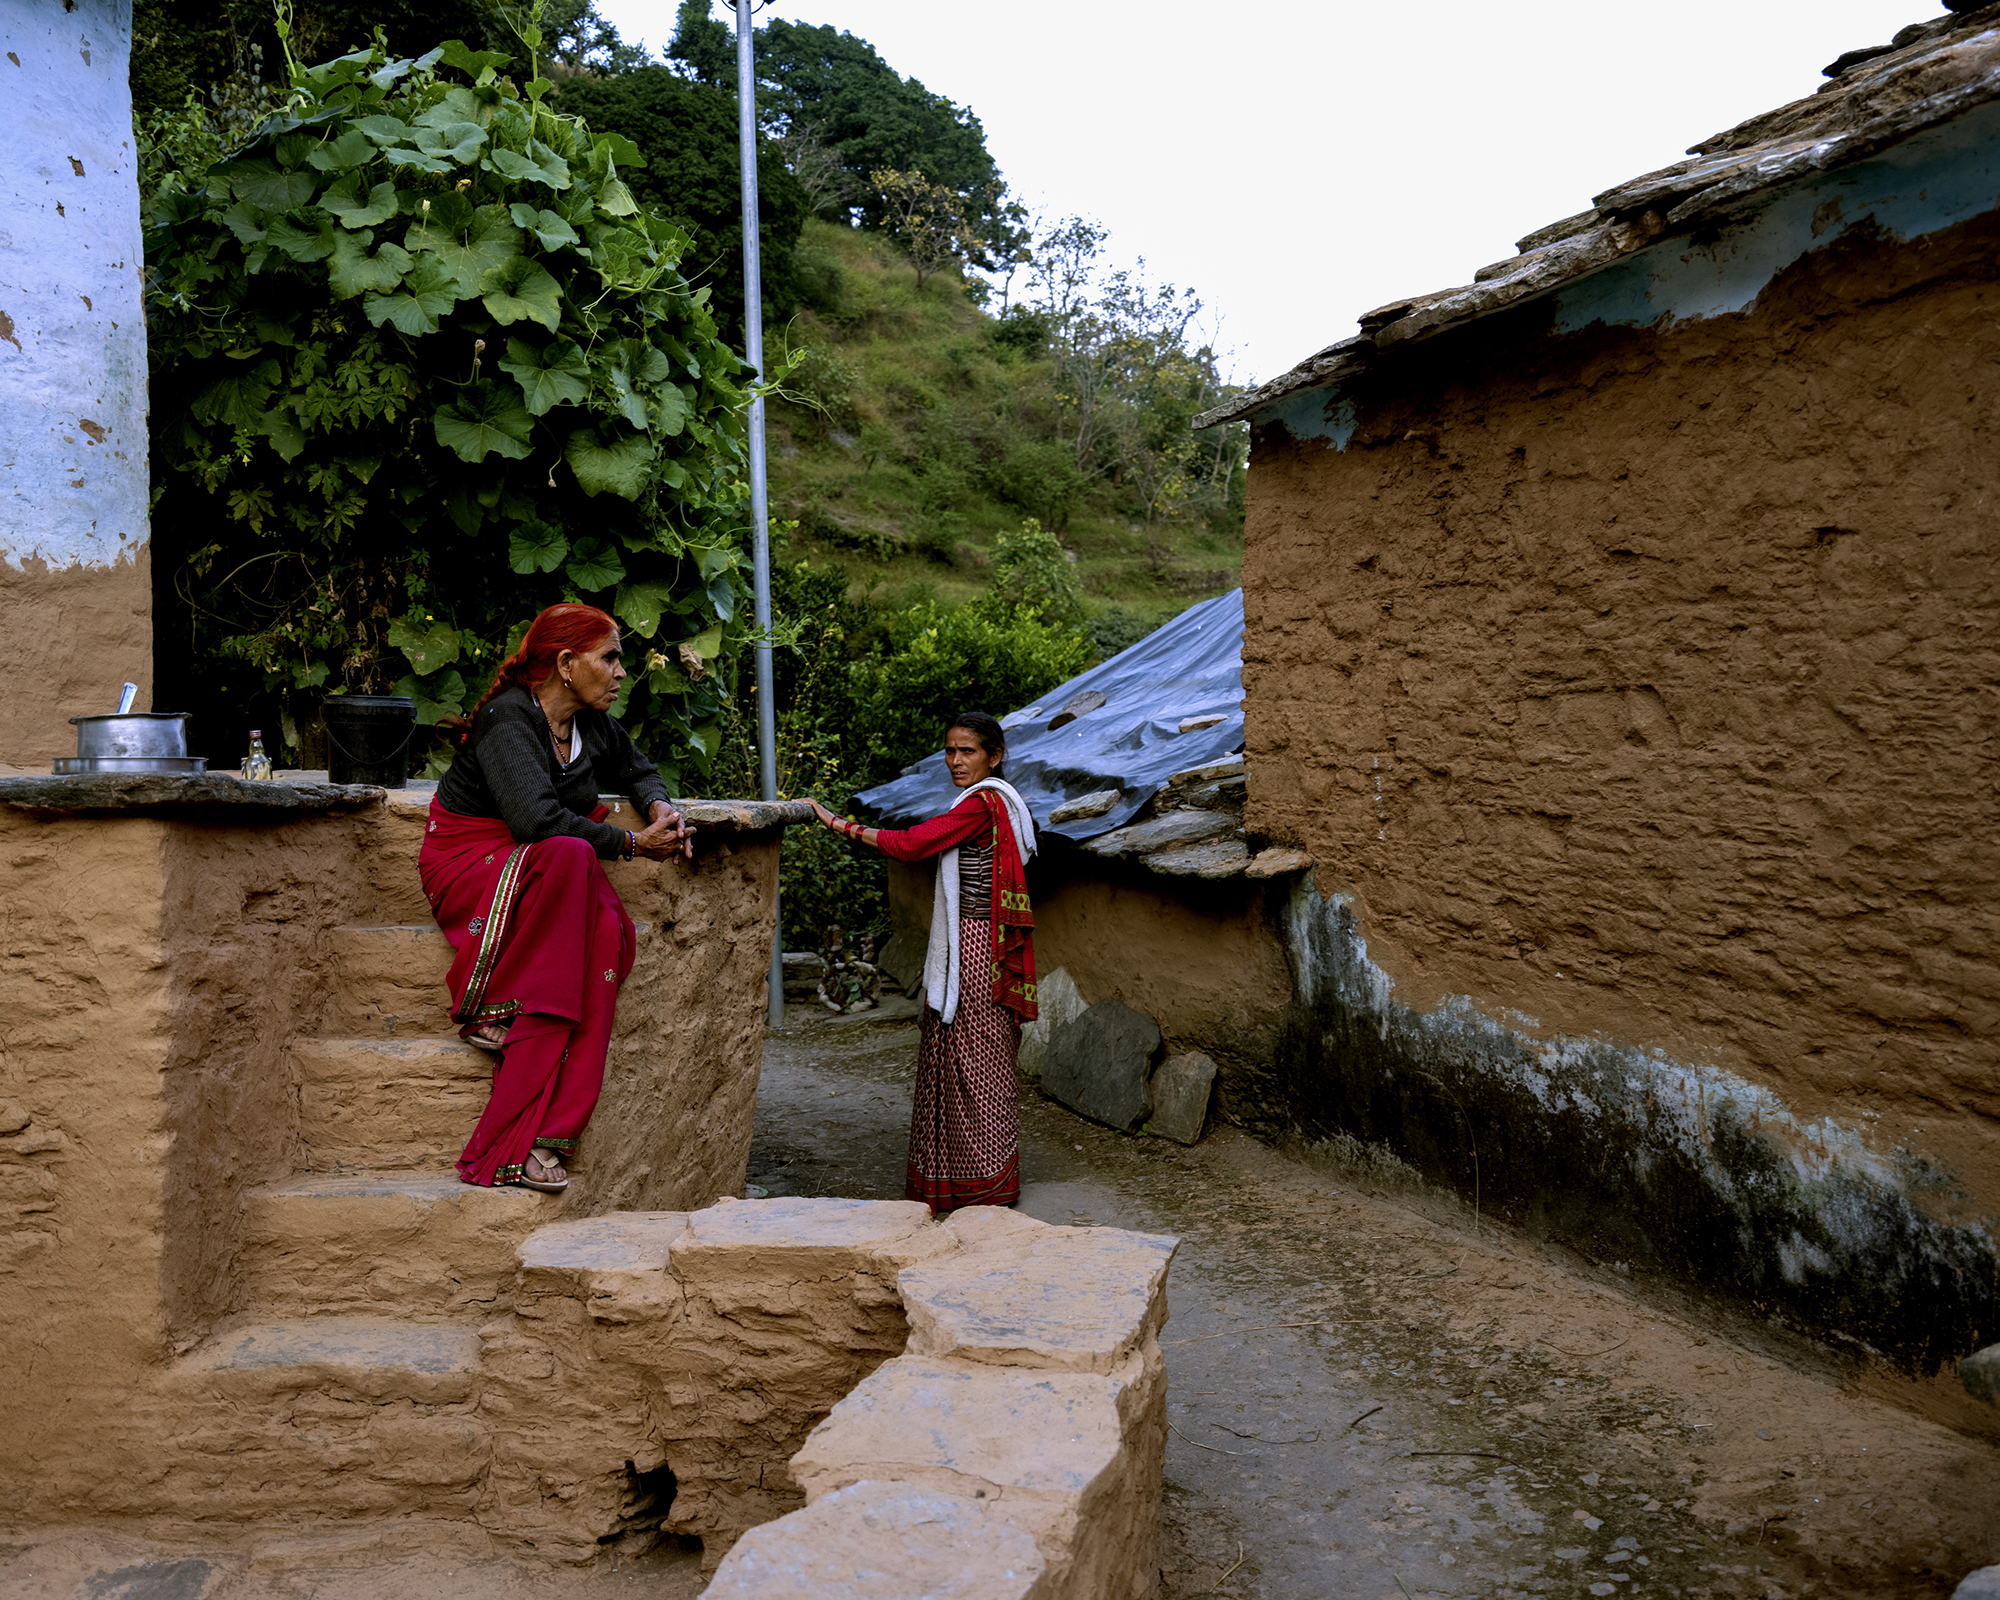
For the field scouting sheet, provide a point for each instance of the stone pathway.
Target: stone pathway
(1370, 1401)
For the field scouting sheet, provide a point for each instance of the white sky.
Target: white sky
(1298, 163)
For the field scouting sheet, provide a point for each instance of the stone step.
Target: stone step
(331, 1417)
(375, 1104)
(388, 982)
(380, 1243)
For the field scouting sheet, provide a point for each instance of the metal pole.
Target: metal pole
(760, 508)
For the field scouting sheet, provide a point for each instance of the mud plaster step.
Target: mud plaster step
(384, 1243)
(388, 982)
(336, 1417)
(374, 1358)
(381, 1103)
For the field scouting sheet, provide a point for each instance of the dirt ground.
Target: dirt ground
(1371, 1399)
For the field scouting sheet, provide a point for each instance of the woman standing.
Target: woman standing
(979, 976)
(511, 864)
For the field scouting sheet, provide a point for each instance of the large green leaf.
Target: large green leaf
(554, 375)
(437, 695)
(616, 199)
(670, 409)
(284, 434)
(246, 221)
(544, 225)
(345, 202)
(266, 184)
(621, 149)
(704, 646)
(593, 564)
(618, 467)
(491, 242)
(457, 141)
(421, 161)
(288, 236)
(351, 149)
(640, 605)
(428, 643)
(536, 547)
(538, 162)
(354, 270)
(384, 129)
(428, 292)
(520, 290)
(240, 400)
(474, 64)
(488, 419)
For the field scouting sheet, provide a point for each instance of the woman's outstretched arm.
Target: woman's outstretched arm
(966, 820)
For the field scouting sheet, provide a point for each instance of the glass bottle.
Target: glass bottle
(256, 764)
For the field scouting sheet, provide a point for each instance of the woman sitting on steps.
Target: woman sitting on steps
(511, 866)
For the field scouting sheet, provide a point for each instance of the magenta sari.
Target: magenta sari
(543, 939)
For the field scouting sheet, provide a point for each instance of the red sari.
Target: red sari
(542, 938)
(965, 1119)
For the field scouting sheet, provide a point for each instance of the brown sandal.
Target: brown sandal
(491, 1037)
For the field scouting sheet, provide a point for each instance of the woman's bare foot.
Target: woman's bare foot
(544, 1170)
(488, 1036)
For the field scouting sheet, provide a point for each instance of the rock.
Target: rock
(13, 1116)
(1191, 724)
(1222, 793)
(1162, 833)
(1276, 863)
(1069, 1299)
(1097, 1065)
(1225, 768)
(1980, 1373)
(1180, 1097)
(1089, 805)
(1224, 858)
(1057, 1000)
(1981, 1585)
(1080, 704)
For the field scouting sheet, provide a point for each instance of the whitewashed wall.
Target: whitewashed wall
(74, 576)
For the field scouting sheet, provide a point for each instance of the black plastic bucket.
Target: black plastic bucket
(368, 738)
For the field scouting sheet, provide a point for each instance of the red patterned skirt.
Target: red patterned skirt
(965, 1123)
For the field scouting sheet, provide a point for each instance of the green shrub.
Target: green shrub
(941, 660)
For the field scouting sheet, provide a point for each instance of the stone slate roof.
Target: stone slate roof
(1929, 73)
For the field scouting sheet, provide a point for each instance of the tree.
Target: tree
(704, 48)
(873, 119)
(688, 134)
(421, 365)
(1127, 380)
(932, 223)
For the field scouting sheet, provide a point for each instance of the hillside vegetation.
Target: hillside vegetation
(917, 429)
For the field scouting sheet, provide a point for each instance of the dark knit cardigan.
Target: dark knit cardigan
(507, 768)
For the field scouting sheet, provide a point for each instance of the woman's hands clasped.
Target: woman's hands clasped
(667, 834)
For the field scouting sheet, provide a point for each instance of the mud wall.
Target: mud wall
(1634, 687)
(75, 588)
(1203, 959)
(154, 969)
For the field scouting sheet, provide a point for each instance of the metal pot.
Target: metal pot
(133, 735)
(72, 766)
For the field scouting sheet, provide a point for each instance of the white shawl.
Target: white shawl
(941, 960)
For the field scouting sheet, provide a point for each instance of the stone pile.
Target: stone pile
(1103, 1062)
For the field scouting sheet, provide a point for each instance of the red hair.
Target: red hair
(560, 628)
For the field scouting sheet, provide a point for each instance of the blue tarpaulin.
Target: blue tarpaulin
(1192, 667)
